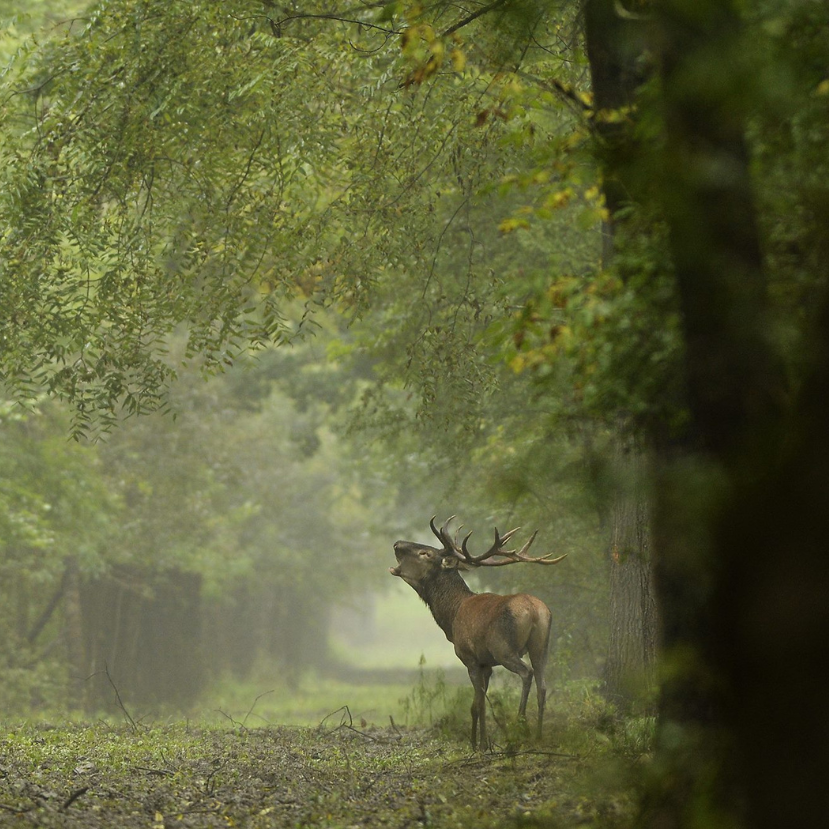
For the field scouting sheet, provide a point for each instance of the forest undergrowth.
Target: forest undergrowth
(342, 772)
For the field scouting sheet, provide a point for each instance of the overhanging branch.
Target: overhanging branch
(336, 18)
(474, 16)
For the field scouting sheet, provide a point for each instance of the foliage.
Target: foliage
(340, 773)
(415, 171)
(177, 221)
(166, 167)
(54, 504)
(237, 498)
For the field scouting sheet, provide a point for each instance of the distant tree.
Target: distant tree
(57, 517)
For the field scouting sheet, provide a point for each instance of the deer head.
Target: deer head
(418, 563)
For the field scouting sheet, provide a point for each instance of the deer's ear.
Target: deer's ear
(449, 563)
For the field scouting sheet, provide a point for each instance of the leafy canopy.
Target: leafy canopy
(224, 169)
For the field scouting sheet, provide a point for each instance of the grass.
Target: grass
(314, 698)
(339, 763)
(172, 776)
(329, 753)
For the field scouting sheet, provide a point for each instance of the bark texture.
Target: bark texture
(630, 669)
(613, 46)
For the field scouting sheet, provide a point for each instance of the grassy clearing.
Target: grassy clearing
(342, 772)
(307, 704)
(183, 777)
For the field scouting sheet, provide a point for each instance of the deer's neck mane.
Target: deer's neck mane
(443, 595)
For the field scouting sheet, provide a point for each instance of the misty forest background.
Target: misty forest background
(282, 281)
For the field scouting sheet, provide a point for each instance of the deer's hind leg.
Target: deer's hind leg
(538, 648)
(518, 666)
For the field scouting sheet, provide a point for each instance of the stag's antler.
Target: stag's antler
(441, 534)
(497, 549)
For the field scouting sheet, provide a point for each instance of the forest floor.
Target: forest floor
(338, 774)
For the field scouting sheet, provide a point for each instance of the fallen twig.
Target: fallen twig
(484, 759)
(346, 713)
(396, 729)
(120, 701)
(253, 704)
(209, 785)
(235, 722)
(74, 796)
(362, 733)
(14, 810)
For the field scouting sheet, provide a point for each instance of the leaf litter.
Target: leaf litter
(333, 776)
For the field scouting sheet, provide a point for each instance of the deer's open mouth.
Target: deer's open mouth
(395, 571)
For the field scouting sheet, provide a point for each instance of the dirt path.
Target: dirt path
(341, 776)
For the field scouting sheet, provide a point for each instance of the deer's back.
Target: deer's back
(489, 627)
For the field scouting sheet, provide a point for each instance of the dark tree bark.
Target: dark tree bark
(613, 46)
(734, 396)
(42, 620)
(630, 668)
(771, 621)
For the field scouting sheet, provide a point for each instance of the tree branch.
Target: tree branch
(337, 18)
(44, 617)
(474, 16)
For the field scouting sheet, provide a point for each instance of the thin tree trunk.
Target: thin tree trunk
(46, 615)
(73, 633)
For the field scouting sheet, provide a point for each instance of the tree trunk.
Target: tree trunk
(613, 45)
(73, 633)
(733, 394)
(630, 669)
(772, 615)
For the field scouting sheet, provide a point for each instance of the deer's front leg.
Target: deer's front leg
(479, 676)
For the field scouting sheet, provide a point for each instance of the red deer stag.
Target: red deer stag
(486, 629)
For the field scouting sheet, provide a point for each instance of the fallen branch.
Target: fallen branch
(74, 796)
(14, 810)
(235, 722)
(482, 760)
